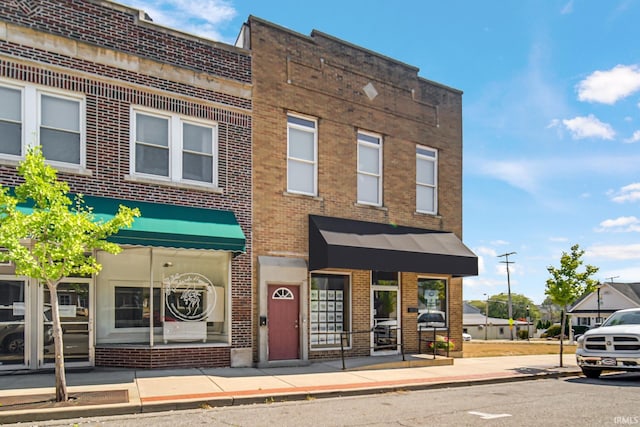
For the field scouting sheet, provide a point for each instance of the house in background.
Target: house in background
(481, 327)
(357, 226)
(595, 307)
(134, 113)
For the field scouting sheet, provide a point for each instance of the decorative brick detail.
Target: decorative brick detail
(163, 357)
(118, 27)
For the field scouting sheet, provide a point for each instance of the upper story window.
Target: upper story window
(30, 115)
(302, 155)
(426, 180)
(170, 147)
(369, 169)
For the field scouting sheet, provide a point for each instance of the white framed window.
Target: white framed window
(173, 148)
(54, 119)
(426, 180)
(302, 155)
(330, 310)
(369, 169)
(432, 303)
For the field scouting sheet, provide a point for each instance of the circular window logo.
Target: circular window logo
(189, 296)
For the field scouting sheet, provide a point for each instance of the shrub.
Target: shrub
(552, 331)
(442, 343)
(523, 334)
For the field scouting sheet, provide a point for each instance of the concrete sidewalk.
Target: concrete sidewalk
(126, 391)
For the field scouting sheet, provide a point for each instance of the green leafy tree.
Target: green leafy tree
(567, 284)
(550, 311)
(53, 239)
(499, 306)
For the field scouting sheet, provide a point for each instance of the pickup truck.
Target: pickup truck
(614, 346)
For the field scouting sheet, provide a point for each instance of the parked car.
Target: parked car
(466, 336)
(614, 346)
(431, 319)
(12, 338)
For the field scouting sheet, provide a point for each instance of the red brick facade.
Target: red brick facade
(113, 59)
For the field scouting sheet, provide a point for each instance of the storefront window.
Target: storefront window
(330, 310)
(432, 303)
(133, 309)
(190, 296)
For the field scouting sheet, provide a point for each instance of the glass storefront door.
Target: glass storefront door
(385, 320)
(74, 299)
(13, 312)
(385, 312)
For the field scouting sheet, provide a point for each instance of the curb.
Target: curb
(224, 401)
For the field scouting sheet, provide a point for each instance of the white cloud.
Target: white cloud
(203, 18)
(610, 86)
(621, 224)
(628, 193)
(567, 9)
(499, 243)
(589, 127)
(634, 138)
(616, 252)
(518, 174)
(558, 239)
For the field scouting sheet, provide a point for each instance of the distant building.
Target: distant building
(481, 327)
(596, 306)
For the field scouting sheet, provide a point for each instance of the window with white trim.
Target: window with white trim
(426, 180)
(173, 148)
(330, 310)
(432, 303)
(31, 115)
(302, 155)
(369, 169)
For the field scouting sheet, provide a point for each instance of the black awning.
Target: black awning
(345, 243)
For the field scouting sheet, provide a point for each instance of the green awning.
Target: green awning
(173, 226)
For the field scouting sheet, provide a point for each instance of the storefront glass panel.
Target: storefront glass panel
(186, 303)
(330, 310)
(12, 322)
(74, 307)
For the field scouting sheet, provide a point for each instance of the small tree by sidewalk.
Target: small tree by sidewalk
(55, 239)
(566, 284)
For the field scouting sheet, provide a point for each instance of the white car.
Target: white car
(466, 336)
(431, 319)
(614, 346)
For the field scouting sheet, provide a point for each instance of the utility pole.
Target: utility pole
(507, 262)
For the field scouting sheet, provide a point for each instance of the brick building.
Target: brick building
(134, 113)
(357, 199)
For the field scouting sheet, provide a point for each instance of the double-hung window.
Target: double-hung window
(170, 147)
(369, 169)
(426, 180)
(302, 155)
(11, 121)
(31, 115)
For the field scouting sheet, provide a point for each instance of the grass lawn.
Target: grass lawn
(513, 348)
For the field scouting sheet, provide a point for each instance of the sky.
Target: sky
(551, 115)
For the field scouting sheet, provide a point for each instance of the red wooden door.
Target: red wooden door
(284, 332)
